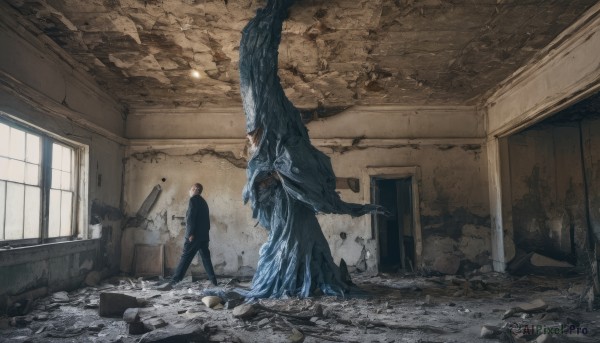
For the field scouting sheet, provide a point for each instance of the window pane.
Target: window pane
(56, 156)
(65, 213)
(2, 203)
(54, 214)
(56, 175)
(65, 182)
(15, 193)
(4, 139)
(32, 219)
(32, 174)
(17, 144)
(3, 168)
(33, 149)
(66, 159)
(16, 171)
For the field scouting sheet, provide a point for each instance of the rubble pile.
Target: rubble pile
(395, 308)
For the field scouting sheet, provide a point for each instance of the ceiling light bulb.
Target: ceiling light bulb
(195, 74)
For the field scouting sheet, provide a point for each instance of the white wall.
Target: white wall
(43, 87)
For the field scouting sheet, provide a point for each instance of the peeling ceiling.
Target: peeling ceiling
(333, 54)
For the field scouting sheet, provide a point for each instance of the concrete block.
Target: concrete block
(131, 315)
(115, 304)
(244, 311)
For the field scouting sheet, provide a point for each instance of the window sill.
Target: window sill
(10, 257)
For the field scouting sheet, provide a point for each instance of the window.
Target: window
(38, 180)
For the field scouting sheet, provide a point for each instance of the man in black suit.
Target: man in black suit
(196, 236)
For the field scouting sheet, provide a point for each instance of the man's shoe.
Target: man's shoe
(167, 286)
(214, 281)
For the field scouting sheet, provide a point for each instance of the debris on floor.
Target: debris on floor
(395, 308)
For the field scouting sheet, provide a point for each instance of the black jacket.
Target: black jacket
(197, 219)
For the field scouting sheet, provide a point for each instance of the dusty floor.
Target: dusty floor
(397, 309)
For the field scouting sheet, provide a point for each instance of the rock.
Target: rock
(459, 293)
(154, 323)
(41, 317)
(115, 304)
(489, 331)
(91, 304)
(93, 278)
(545, 338)
(211, 301)
(96, 326)
(136, 328)
(296, 336)
(544, 261)
(534, 306)
(263, 322)
(191, 333)
(446, 264)
(131, 315)
(552, 316)
(233, 303)
(486, 269)
(60, 297)
(244, 311)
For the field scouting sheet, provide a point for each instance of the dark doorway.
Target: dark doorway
(395, 232)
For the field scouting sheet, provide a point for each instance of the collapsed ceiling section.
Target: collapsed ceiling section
(333, 54)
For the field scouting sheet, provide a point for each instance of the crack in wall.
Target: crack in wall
(155, 156)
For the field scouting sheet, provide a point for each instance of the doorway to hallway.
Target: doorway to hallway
(395, 232)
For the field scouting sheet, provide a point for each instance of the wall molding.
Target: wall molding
(561, 47)
(145, 144)
(37, 100)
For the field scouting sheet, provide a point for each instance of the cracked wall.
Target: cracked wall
(553, 172)
(454, 198)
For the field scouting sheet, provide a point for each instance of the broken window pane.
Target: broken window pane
(4, 139)
(65, 215)
(2, 206)
(32, 174)
(33, 149)
(15, 193)
(54, 214)
(16, 171)
(17, 144)
(32, 219)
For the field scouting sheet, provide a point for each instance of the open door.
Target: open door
(395, 233)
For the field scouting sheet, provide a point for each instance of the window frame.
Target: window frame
(47, 139)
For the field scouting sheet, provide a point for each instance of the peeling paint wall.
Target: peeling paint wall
(42, 88)
(453, 187)
(547, 191)
(591, 143)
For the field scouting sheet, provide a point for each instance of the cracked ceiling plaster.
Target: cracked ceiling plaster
(333, 53)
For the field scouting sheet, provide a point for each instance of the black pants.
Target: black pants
(189, 251)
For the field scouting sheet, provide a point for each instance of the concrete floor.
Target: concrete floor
(397, 308)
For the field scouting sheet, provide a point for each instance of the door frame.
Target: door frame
(414, 172)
